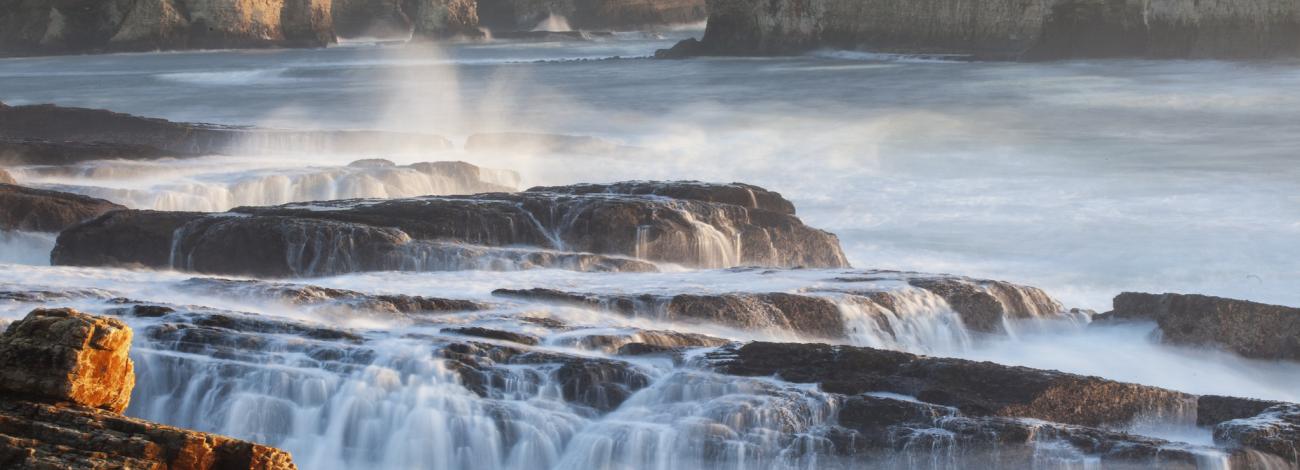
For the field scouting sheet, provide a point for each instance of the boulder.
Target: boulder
(6, 178)
(1006, 29)
(65, 355)
(1250, 329)
(66, 377)
(38, 210)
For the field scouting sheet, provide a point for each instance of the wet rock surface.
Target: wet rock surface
(1275, 431)
(1215, 409)
(80, 132)
(586, 231)
(740, 194)
(975, 388)
(39, 210)
(299, 294)
(600, 384)
(47, 152)
(1250, 329)
(67, 375)
(1004, 29)
(987, 305)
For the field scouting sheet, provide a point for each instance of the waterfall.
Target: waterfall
(917, 321)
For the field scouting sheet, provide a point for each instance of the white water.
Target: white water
(1085, 178)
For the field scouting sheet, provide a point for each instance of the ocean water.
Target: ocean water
(1083, 178)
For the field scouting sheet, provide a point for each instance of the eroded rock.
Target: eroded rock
(1250, 329)
(1275, 431)
(39, 210)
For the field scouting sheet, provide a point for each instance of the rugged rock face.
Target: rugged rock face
(38, 210)
(1007, 29)
(601, 384)
(975, 388)
(590, 232)
(1247, 328)
(589, 14)
(1275, 431)
(32, 27)
(66, 377)
(97, 131)
(68, 356)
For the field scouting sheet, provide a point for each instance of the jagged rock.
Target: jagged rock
(486, 231)
(985, 305)
(5, 177)
(975, 388)
(66, 376)
(35, 27)
(814, 317)
(316, 295)
(494, 334)
(1007, 29)
(65, 355)
(1250, 329)
(604, 15)
(1275, 431)
(39, 210)
(95, 131)
(684, 49)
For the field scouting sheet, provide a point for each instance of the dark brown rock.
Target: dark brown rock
(39, 210)
(494, 334)
(1215, 409)
(46, 152)
(975, 388)
(599, 384)
(1250, 329)
(102, 132)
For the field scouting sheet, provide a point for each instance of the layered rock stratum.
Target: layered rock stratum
(1247, 328)
(67, 377)
(1004, 29)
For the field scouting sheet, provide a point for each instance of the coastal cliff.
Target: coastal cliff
(1005, 29)
(35, 27)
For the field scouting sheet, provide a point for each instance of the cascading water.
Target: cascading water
(919, 322)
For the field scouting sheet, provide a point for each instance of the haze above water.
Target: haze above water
(1084, 178)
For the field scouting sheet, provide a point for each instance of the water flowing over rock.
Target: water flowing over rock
(66, 377)
(39, 210)
(1247, 328)
(988, 305)
(1006, 29)
(602, 15)
(975, 388)
(740, 194)
(1275, 431)
(298, 294)
(63, 27)
(573, 231)
(58, 123)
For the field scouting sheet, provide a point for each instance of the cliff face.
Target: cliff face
(30, 27)
(398, 18)
(589, 14)
(1009, 29)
